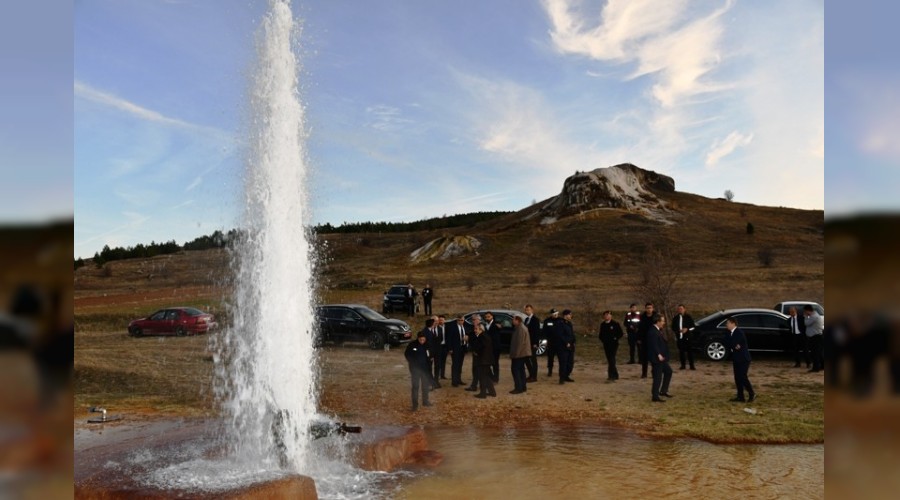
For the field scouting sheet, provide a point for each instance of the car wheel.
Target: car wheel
(541, 349)
(136, 332)
(715, 350)
(180, 331)
(376, 340)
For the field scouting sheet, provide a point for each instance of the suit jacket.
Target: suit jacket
(482, 349)
(534, 330)
(519, 345)
(686, 322)
(551, 330)
(656, 345)
(429, 337)
(438, 338)
(801, 324)
(451, 332)
(644, 327)
(427, 293)
(494, 333)
(737, 345)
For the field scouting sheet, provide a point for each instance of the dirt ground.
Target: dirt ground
(360, 386)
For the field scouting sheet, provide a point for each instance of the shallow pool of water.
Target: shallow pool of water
(595, 462)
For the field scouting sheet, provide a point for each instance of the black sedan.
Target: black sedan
(503, 317)
(354, 322)
(766, 330)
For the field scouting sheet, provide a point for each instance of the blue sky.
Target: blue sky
(419, 109)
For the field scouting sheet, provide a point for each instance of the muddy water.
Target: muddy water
(591, 462)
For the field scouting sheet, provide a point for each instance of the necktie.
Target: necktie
(461, 333)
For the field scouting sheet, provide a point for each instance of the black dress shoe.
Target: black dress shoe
(796, 365)
(681, 368)
(751, 398)
(561, 382)
(471, 389)
(692, 368)
(492, 394)
(443, 378)
(812, 370)
(414, 408)
(481, 396)
(569, 379)
(643, 376)
(516, 391)
(454, 384)
(737, 400)
(427, 404)
(658, 400)
(666, 394)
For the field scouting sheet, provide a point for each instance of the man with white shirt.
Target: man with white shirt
(456, 336)
(815, 327)
(682, 324)
(798, 337)
(533, 323)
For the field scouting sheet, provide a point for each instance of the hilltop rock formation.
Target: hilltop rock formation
(622, 186)
(445, 247)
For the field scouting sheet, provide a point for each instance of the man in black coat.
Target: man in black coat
(430, 339)
(682, 325)
(632, 320)
(427, 294)
(565, 346)
(658, 354)
(456, 336)
(610, 333)
(798, 338)
(441, 348)
(549, 332)
(644, 327)
(411, 295)
(482, 359)
(418, 357)
(492, 329)
(740, 359)
(533, 323)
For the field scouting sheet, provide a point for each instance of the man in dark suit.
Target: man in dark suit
(419, 359)
(658, 354)
(798, 337)
(682, 324)
(429, 333)
(492, 329)
(476, 326)
(482, 359)
(456, 336)
(632, 320)
(427, 294)
(565, 347)
(411, 294)
(440, 348)
(740, 359)
(549, 331)
(610, 333)
(643, 327)
(533, 323)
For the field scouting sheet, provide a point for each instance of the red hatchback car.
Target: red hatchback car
(178, 321)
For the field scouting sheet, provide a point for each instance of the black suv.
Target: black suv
(395, 299)
(348, 322)
(766, 330)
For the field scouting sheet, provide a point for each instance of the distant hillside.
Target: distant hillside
(587, 249)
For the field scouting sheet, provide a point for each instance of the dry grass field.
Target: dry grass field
(588, 263)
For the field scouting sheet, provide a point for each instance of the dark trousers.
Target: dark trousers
(531, 364)
(632, 346)
(551, 353)
(816, 353)
(801, 346)
(741, 381)
(610, 348)
(495, 366)
(684, 352)
(518, 373)
(484, 378)
(427, 307)
(456, 364)
(662, 375)
(475, 372)
(440, 361)
(565, 362)
(411, 308)
(642, 357)
(421, 380)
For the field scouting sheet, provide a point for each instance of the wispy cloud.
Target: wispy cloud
(386, 118)
(655, 36)
(724, 147)
(87, 92)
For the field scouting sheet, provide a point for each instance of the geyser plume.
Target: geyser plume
(266, 360)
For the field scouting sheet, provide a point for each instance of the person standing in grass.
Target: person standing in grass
(632, 320)
(549, 331)
(418, 357)
(427, 295)
(610, 333)
(533, 323)
(482, 359)
(644, 328)
(682, 325)
(740, 360)
(658, 355)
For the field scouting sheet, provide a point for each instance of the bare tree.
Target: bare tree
(658, 279)
(729, 194)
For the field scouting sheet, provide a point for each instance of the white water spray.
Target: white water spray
(266, 361)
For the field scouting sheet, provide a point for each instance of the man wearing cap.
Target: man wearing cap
(457, 335)
(565, 347)
(419, 359)
(549, 332)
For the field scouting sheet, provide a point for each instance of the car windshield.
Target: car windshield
(369, 314)
(712, 317)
